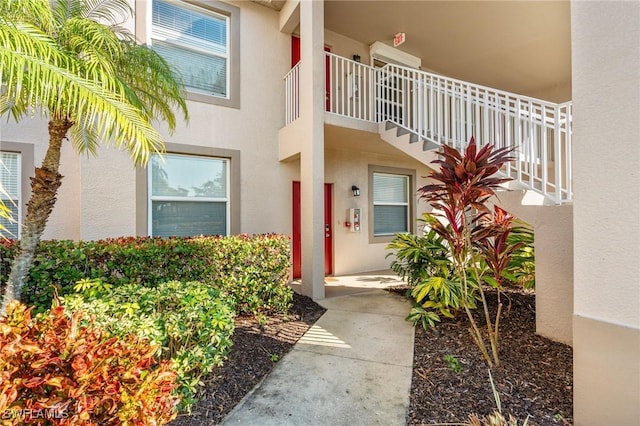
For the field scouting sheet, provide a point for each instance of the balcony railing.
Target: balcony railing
(292, 95)
(442, 110)
(351, 90)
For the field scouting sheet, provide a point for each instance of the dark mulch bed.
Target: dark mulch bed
(256, 349)
(535, 379)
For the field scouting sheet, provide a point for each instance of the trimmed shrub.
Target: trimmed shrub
(54, 370)
(253, 270)
(190, 323)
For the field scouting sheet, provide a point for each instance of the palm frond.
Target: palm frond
(30, 66)
(37, 74)
(84, 139)
(152, 84)
(36, 12)
(94, 47)
(111, 12)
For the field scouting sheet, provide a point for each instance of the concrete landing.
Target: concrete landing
(353, 367)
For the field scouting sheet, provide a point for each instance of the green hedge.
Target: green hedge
(190, 323)
(253, 270)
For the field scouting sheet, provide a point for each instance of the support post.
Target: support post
(312, 101)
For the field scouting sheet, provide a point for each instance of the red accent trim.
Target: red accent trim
(296, 243)
(328, 230)
(295, 58)
(295, 50)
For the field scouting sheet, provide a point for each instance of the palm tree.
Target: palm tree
(70, 61)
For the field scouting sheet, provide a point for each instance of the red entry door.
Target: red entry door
(297, 231)
(295, 58)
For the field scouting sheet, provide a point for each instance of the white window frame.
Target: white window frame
(10, 201)
(226, 200)
(144, 30)
(409, 174)
(406, 204)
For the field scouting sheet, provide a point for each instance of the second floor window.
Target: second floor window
(195, 41)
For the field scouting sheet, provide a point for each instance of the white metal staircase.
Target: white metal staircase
(418, 111)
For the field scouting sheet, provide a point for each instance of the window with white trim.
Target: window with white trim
(391, 208)
(188, 195)
(196, 41)
(10, 191)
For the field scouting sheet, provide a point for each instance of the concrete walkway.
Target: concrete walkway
(353, 367)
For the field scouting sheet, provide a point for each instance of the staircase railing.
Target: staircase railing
(443, 110)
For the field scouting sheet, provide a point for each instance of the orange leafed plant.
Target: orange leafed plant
(55, 371)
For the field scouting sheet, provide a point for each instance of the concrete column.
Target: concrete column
(312, 100)
(553, 233)
(606, 164)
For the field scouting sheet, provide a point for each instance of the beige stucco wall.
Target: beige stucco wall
(98, 198)
(64, 223)
(606, 95)
(353, 250)
(553, 234)
(107, 186)
(253, 128)
(346, 47)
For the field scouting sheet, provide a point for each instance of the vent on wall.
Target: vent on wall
(391, 55)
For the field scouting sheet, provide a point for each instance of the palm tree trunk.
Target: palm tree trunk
(44, 187)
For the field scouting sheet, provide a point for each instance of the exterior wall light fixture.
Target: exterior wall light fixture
(356, 57)
(355, 190)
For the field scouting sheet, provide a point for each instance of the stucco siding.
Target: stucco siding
(98, 195)
(353, 250)
(606, 164)
(606, 64)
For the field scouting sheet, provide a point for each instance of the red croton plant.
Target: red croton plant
(54, 370)
(476, 236)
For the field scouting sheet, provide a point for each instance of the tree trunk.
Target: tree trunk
(44, 187)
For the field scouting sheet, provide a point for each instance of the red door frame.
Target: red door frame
(296, 238)
(328, 229)
(295, 50)
(295, 58)
(297, 230)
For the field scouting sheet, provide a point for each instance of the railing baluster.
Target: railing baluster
(359, 91)
(558, 158)
(569, 138)
(469, 112)
(431, 127)
(447, 113)
(545, 151)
